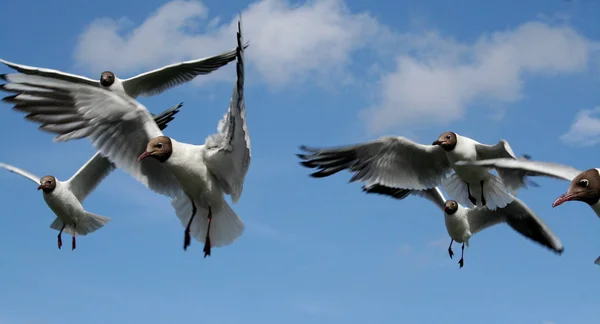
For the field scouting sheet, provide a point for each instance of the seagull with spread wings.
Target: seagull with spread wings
(584, 186)
(65, 198)
(398, 162)
(145, 84)
(462, 223)
(120, 128)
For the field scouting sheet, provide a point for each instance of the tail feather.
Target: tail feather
(495, 193)
(457, 189)
(225, 226)
(89, 224)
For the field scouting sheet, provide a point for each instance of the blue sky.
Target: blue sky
(320, 73)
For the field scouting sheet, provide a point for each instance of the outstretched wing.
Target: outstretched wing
(434, 194)
(160, 80)
(89, 176)
(520, 218)
(54, 74)
(548, 169)
(389, 161)
(512, 180)
(227, 153)
(118, 126)
(18, 171)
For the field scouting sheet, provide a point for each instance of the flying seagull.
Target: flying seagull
(399, 162)
(584, 187)
(462, 223)
(196, 176)
(146, 84)
(65, 197)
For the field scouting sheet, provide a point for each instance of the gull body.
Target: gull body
(398, 162)
(462, 223)
(65, 198)
(195, 176)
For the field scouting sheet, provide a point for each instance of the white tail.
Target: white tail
(494, 192)
(457, 189)
(225, 226)
(89, 224)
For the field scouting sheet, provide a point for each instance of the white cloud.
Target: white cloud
(432, 80)
(287, 41)
(439, 81)
(585, 130)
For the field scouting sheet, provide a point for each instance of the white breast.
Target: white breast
(64, 204)
(197, 181)
(457, 227)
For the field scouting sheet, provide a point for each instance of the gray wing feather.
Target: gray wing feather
(227, 153)
(537, 168)
(21, 172)
(118, 126)
(89, 176)
(389, 161)
(434, 195)
(159, 80)
(520, 218)
(55, 74)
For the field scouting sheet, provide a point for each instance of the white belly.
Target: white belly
(457, 228)
(470, 174)
(65, 206)
(200, 184)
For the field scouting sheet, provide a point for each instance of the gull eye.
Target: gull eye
(584, 182)
(159, 145)
(448, 136)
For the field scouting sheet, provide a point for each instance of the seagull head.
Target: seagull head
(159, 148)
(107, 79)
(450, 207)
(447, 141)
(585, 187)
(47, 184)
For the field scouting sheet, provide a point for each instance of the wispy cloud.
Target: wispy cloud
(437, 83)
(432, 80)
(288, 41)
(585, 130)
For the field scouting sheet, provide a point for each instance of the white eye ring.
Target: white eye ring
(584, 182)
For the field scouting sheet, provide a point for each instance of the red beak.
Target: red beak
(438, 142)
(446, 210)
(564, 198)
(143, 156)
(41, 187)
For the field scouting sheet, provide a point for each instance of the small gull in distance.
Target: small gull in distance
(65, 198)
(399, 162)
(195, 176)
(462, 223)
